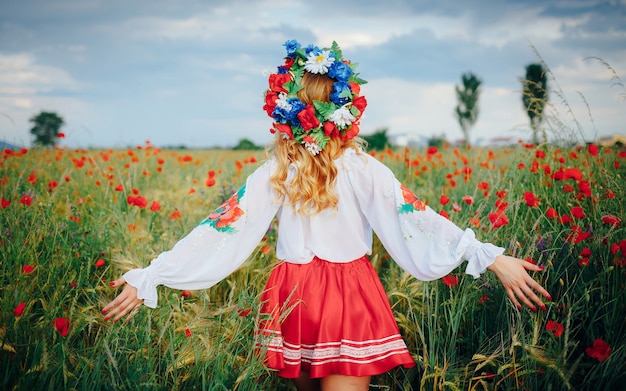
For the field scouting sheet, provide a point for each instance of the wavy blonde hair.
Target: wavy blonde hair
(313, 186)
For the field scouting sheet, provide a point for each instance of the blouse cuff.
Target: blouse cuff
(478, 255)
(146, 288)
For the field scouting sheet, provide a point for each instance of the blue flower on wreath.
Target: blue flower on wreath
(341, 93)
(312, 48)
(340, 71)
(292, 45)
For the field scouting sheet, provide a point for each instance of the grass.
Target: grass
(465, 336)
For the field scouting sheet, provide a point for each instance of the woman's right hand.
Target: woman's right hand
(126, 303)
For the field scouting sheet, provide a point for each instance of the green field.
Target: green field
(73, 220)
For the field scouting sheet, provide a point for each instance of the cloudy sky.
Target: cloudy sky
(193, 72)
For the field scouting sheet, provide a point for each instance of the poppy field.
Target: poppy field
(74, 220)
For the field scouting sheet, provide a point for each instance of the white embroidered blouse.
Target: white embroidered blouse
(421, 241)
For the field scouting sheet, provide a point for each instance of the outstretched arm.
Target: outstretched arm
(513, 274)
(126, 302)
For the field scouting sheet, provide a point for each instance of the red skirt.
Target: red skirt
(328, 318)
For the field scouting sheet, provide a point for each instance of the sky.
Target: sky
(193, 72)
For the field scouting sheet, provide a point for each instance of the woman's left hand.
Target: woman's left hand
(513, 274)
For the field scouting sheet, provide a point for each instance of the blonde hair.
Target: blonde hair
(312, 188)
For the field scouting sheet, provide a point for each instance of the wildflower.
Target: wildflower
(60, 135)
(139, 201)
(19, 310)
(483, 185)
(185, 294)
(99, 263)
(176, 214)
(551, 213)
(593, 149)
(52, 185)
(498, 219)
(450, 280)
(469, 200)
(155, 206)
(456, 207)
(62, 325)
(611, 220)
(555, 327)
(577, 235)
(27, 269)
(578, 212)
(600, 350)
(432, 150)
(243, 312)
(5, 203)
(187, 333)
(539, 154)
(26, 200)
(483, 299)
(119, 188)
(443, 200)
(444, 214)
(266, 249)
(531, 199)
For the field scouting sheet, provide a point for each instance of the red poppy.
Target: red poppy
(155, 206)
(119, 188)
(450, 280)
(531, 199)
(100, 262)
(600, 350)
(26, 200)
(176, 214)
(432, 150)
(585, 188)
(483, 299)
(444, 214)
(578, 212)
(27, 269)
(577, 235)
(52, 185)
(469, 200)
(539, 154)
(62, 325)
(501, 193)
(185, 294)
(210, 182)
(483, 185)
(551, 213)
(5, 203)
(498, 219)
(593, 149)
(139, 201)
(19, 310)
(187, 333)
(60, 135)
(611, 220)
(555, 327)
(444, 199)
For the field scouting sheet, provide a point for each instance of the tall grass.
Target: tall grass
(82, 233)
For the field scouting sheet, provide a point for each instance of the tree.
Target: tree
(535, 96)
(46, 129)
(467, 110)
(378, 140)
(246, 145)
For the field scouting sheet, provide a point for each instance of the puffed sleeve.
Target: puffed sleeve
(422, 242)
(217, 246)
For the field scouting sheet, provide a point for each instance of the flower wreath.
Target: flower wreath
(313, 125)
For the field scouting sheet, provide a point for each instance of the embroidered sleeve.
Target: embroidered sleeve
(421, 241)
(217, 246)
